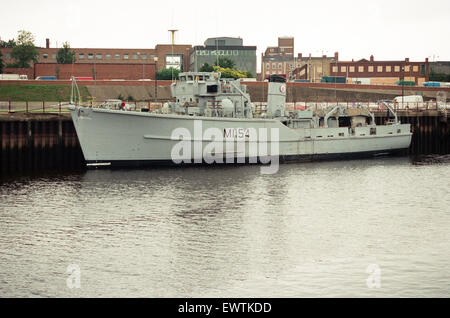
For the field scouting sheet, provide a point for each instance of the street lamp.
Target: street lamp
(143, 89)
(403, 81)
(156, 77)
(95, 75)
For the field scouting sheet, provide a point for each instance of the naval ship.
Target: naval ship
(213, 120)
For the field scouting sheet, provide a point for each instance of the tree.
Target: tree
(206, 68)
(9, 44)
(24, 52)
(230, 73)
(226, 66)
(166, 74)
(65, 55)
(1, 63)
(225, 62)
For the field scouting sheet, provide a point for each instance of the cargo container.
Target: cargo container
(9, 77)
(405, 83)
(46, 78)
(363, 81)
(334, 79)
(431, 84)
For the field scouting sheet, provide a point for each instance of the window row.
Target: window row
(218, 52)
(99, 56)
(280, 66)
(117, 56)
(379, 69)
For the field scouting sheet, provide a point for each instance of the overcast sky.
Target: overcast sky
(388, 29)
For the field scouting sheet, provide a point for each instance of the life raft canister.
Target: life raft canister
(122, 106)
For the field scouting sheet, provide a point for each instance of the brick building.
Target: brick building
(312, 68)
(381, 72)
(101, 71)
(279, 59)
(162, 56)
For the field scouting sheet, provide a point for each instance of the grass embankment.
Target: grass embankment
(35, 92)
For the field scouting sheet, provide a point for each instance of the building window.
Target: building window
(108, 56)
(380, 69)
(407, 68)
(343, 69)
(99, 56)
(125, 56)
(388, 68)
(54, 56)
(144, 56)
(370, 69)
(334, 69)
(81, 56)
(397, 68)
(361, 69)
(90, 56)
(45, 55)
(280, 65)
(135, 56)
(268, 65)
(415, 68)
(351, 69)
(117, 56)
(174, 61)
(235, 52)
(274, 65)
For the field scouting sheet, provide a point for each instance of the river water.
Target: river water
(369, 228)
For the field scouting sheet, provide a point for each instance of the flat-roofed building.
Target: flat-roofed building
(244, 57)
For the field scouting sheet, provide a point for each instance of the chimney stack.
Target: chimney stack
(336, 55)
(300, 55)
(47, 43)
(371, 58)
(407, 60)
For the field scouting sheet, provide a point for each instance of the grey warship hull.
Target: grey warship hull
(118, 138)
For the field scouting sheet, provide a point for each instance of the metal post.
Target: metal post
(156, 78)
(43, 106)
(9, 106)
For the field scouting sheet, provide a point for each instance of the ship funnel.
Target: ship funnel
(276, 97)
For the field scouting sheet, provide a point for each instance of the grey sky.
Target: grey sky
(392, 29)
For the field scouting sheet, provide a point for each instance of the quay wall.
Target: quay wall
(296, 92)
(36, 143)
(43, 142)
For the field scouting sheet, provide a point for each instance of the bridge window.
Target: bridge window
(212, 88)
